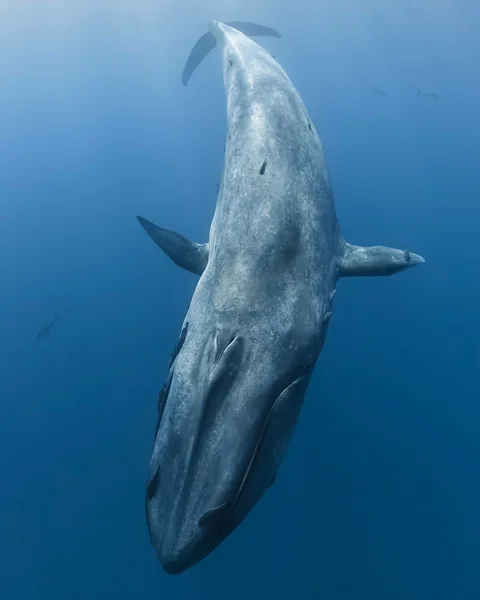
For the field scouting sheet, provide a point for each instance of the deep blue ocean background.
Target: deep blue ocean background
(379, 494)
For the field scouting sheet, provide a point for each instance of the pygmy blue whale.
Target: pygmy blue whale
(258, 317)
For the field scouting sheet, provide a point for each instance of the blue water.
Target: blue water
(378, 497)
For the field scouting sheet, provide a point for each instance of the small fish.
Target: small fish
(47, 328)
(376, 90)
(263, 167)
(432, 95)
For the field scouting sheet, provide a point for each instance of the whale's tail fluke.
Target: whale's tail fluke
(207, 43)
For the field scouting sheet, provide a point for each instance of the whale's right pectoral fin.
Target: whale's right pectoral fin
(375, 260)
(184, 252)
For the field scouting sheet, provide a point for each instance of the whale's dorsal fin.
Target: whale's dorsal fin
(184, 252)
(375, 260)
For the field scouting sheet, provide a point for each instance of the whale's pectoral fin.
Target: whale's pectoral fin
(375, 260)
(184, 252)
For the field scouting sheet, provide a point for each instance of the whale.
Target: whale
(258, 317)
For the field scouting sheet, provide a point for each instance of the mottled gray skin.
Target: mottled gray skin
(258, 317)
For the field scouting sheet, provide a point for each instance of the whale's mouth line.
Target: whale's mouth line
(224, 513)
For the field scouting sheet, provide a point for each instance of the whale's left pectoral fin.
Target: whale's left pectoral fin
(375, 260)
(184, 252)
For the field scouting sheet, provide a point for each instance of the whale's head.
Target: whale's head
(225, 418)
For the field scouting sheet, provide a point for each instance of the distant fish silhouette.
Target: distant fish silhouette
(207, 43)
(431, 95)
(47, 328)
(378, 91)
